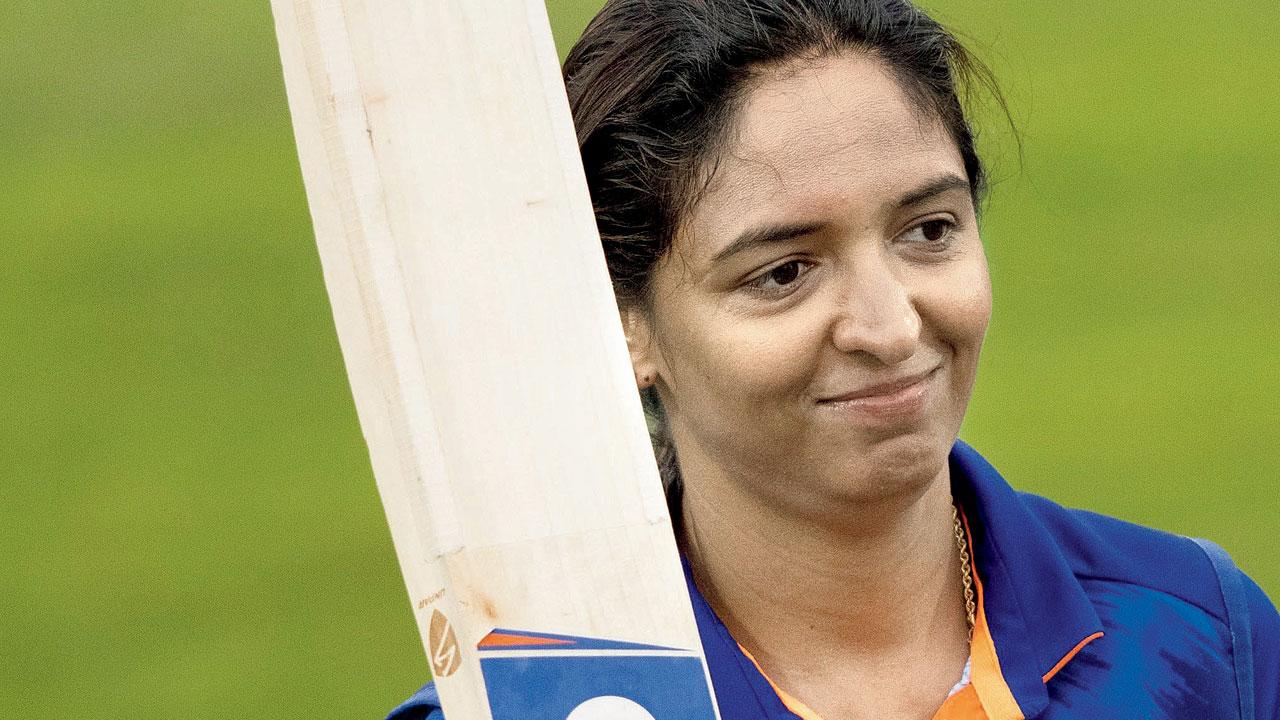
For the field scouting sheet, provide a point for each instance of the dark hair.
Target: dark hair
(654, 86)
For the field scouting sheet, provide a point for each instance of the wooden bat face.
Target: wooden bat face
(486, 358)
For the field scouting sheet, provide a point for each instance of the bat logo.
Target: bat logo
(445, 653)
(541, 676)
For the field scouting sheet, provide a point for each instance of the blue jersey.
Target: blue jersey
(1080, 616)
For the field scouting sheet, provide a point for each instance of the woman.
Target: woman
(787, 193)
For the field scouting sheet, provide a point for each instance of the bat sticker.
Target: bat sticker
(445, 655)
(540, 676)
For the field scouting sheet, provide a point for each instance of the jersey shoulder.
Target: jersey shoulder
(1145, 581)
(1102, 548)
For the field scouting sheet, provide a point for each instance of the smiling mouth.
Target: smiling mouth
(901, 399)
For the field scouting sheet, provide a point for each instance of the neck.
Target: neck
(881, 580)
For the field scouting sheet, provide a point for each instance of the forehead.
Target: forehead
(832, 135)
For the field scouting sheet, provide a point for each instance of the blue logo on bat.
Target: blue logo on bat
(538, 676)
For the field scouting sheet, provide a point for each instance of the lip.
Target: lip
(899, 399)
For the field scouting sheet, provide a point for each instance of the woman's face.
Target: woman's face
(815, 329)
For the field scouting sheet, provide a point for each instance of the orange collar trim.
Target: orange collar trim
(1067, 658)
(793, 704)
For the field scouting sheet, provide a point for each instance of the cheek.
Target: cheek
(715, 361)
(959, 310)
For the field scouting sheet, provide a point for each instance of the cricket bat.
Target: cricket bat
(486, 356)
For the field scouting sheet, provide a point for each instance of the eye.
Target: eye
(936, 232)
(779, 279)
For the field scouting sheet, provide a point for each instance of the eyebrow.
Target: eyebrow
(772, 234)
(763, 235)
(938, 186)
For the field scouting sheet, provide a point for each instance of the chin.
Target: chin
(903, 465)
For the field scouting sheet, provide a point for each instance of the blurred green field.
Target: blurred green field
(189, 523)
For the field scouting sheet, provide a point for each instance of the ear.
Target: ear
(644, 357)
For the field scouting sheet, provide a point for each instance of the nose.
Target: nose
(876, 314)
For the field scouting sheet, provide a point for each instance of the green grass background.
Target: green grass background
(189, 524)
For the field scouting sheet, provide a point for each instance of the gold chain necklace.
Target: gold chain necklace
(966, 573)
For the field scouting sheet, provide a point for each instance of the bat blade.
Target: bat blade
(487, 360)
